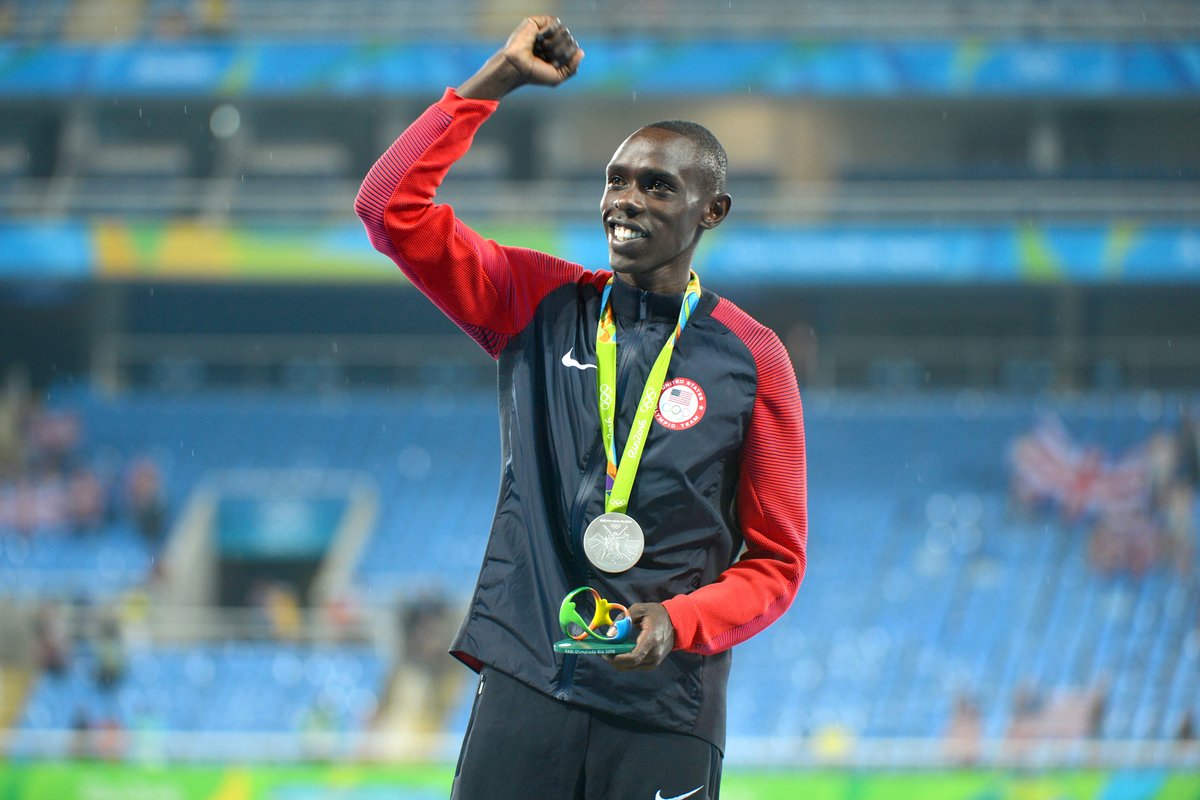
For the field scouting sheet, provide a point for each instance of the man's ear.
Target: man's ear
(716, 212)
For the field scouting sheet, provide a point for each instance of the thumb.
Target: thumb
(525, 34)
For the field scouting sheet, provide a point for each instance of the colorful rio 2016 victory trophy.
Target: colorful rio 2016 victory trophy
(603, 635)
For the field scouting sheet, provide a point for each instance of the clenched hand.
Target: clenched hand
(540, 51)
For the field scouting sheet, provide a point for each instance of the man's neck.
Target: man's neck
(659, 281)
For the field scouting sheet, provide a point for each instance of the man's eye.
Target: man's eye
(659, 186)
(615, 180)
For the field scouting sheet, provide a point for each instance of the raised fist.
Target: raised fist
(539, 51)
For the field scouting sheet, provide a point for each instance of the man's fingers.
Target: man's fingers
(543, 23)
(636, 657)
(527, 36)
(643, 656)
(556, 45)
(546, 31)
(655, 640)
(540, 50)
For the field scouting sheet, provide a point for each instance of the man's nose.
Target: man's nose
(628, 201)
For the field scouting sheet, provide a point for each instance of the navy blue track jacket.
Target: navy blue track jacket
(721, 489)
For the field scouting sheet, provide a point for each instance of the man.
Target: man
(651, 431)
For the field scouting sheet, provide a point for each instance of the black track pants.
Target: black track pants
(523, 745)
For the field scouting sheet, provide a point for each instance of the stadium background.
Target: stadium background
(246, 471)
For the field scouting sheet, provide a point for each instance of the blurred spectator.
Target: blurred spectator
(281, 608)
(1067, 714)
(1071, 714)
(50, 639)
(1187, 437)
(109, 738)
(317, 729)
(81, 734)
(344, 614)
(1178, 510)
(1186, 732)
(45, 483)
(85, 501)
(1098, 708)
(21, 507)
(1026, 707)
(1124, 543)
(146, 499)
(134, 613)
(52, 439)
(964, 734)
(424, 626)
(110, 653)
(1162, 462)
(427, 623)
(12, 415)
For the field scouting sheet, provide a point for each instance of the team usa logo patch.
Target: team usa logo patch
(681, 405)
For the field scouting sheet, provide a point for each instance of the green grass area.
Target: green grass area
(102, 781)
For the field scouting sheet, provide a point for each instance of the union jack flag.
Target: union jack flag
(1047, 464)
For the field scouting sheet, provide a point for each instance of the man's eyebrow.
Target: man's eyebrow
(660, 175)
(646, 174)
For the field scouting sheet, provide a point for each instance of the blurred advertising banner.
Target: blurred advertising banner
(1087, 253)
(965, 67)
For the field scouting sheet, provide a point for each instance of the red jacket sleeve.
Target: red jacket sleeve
(488, 290)
(772, 509)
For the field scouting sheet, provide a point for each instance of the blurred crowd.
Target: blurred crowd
(1063, 715)
(68, 637)
(1139, 507)
(50, 483)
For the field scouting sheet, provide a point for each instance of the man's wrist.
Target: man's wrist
(496, 78)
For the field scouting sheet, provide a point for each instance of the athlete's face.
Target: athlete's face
(656, 204)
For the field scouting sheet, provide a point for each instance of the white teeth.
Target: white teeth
(623, 234)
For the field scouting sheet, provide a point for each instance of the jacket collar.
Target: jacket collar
(632, 304)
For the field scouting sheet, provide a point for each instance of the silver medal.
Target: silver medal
(613, 542)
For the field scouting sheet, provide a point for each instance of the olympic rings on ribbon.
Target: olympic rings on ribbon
(603, 628)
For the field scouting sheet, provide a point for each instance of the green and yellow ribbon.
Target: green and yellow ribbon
(619, 478)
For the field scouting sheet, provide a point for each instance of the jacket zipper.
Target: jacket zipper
(595, 466)
(597, 462)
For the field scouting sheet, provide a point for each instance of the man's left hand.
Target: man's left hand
(656, 638)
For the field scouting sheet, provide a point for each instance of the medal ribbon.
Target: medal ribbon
(619, 480)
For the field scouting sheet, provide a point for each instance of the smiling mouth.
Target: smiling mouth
(621, 234)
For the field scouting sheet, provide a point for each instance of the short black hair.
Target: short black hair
(713, 160)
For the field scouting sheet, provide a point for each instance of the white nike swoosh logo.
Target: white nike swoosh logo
(569, 361)
(658, 794)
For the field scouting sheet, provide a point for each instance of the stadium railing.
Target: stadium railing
(803, 752)
(168, 19)
(553, 200)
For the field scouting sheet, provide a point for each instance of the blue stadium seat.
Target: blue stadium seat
(224, 687)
